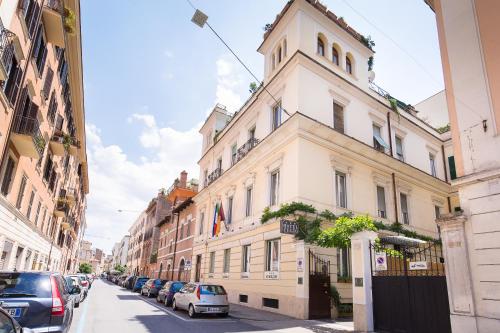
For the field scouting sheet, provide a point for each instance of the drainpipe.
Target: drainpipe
(395, 196)
(444, 164)
(175, 243)
(449, 204)
(390, 132)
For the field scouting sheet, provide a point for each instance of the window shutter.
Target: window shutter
(338, 118)
(7, 178)
(34, 18)
(48, 82)
(59, 123)
(453, 171)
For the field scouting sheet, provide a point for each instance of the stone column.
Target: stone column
(12, 257)
(362, 280)
(458, 276)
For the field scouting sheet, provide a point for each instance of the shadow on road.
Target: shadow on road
(127, 297)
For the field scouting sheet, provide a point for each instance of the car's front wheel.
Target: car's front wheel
(174, 305)
(191, 311)
(224, 315)
(77, 305)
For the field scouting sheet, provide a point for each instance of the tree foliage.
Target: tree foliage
(85, 268)
(119, 268)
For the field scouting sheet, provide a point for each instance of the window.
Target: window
(245, 259)
(276, 116)
(234, 154)
(271, 303)
(31, 9)
(344, 262)
(8, 175)
(243, 298)
(30, 205)
(212, 262)
(279, 55)
(341, 189)
(284, 48)
(205, 176)
(38, 212)
(251, 133)
(321, 47)
(230, 210)
(51, 115)
(12, 83)
(437, 211)
(273, 60)
(182, 232)
(381, 202)
(399, 148)
(274, 190)
(40, 51)
(20, 194)
(219, 163)
(338, 117)
(335, 56)
(378, 142)
(453, 170)
(348, 65)
(188, 228)
(227, 260)
(404, 208)
(202, 221)
(47, 83)
(432, 163)
(273, 255)
(248, 203)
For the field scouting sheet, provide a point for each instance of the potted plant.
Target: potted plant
(69, 20)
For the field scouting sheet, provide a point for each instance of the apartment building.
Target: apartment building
(120, 252)
(43, 163)
(176, 230)
(320, 132)
(468, 41)
(86, 254)
(134, 257)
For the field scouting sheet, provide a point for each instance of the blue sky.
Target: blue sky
(151, 75)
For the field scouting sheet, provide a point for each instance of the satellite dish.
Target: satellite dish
(371, 76)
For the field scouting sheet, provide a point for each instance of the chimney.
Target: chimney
(183, 182)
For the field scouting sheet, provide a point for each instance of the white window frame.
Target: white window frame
(211, 264)
(202, 221)
(337, 189)
(377, 200)
(230, 209)
(246, 252)
(341, 252)
(248, 200)
(432, 164)
(271, 266)
(402, 157)
(407, 195)
(274, 193)
(276, 107)
(226, 263)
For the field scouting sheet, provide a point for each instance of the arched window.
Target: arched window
(279, 54)
(348, 65)
(180, 275)
(284, 48)
(273, 60)
(321, 47)
(335, 56)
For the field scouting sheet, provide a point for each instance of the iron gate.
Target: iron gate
(409, 287)
(319, 287)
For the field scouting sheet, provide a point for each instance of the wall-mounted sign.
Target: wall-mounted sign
(418, 265)
(380, 261)
(271, 275)
(300, 264)
(289, 227)
(187, 265)
(358, 282)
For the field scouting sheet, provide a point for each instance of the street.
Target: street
(110, 308)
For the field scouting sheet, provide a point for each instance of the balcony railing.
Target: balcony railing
(61, 142)
(6, 50)
(29, 126)
(62, 207)
(244, 150)
(55, 5)
(213, 176)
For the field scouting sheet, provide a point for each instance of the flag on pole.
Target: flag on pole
(220, 218)
(214, 227)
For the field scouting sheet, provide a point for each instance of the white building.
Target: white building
(327, 138)
(120, 252)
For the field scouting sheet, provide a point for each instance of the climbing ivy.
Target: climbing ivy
(340, 234)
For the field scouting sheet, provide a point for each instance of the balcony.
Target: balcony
(60, 143)
(26, 136)
(53, 21)
(213, 176)
(62, 208)
(6, 52)
(68, 195)
(244, 150)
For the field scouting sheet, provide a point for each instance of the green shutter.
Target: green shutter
(453, 171)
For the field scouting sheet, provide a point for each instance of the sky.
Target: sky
(151, 77)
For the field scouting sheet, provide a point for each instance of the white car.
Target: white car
(199, 298)
(75, 279)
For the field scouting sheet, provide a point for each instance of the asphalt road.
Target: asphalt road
(110, 308)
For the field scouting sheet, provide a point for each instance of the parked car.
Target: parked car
(152, 286)
(38, 300)
(9, 325)
(199, 298)
(121, 280)
(129, 282)
(74, 282)
(166, 294)
(139, 282)
(85, 281)
(84, 284)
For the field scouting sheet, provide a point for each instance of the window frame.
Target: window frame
(230, 202)
(276, 116)
(226, 261)
(432, 164)
(344, 267)
(399, 148)
(274, 187)
(406, 220)
(211, 266)
(248, 200)
(202, 221)
(338, 178)
(379, 211)
(246, 253)
(270, 252)
(320, 47)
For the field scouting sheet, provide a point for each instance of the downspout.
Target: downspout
(444, 164)
(390, 132)
(395, 197)
(175, 243)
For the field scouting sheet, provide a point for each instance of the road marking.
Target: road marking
(81, 323)
(172, 313)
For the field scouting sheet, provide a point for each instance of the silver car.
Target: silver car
(199, 298)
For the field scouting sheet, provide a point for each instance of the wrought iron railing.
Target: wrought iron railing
(30, 126)
(378, 90)
(244, 150)
(213, 176)
(55, 5)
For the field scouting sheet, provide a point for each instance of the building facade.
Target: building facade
(134, 258)
(176, 230)
(318, 132)
(86, 254)
(120, 252)
(43, 163)
(468, 41)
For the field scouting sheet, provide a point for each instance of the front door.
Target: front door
(319, 287)
(198, 268)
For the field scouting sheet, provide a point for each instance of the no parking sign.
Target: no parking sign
(380, 261)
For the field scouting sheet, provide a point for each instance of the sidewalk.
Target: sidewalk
(274, 321)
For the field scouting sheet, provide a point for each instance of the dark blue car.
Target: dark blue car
(139, 282)
(166, 294)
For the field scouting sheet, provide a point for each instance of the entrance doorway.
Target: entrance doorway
(319, 287)
(180, 275)
(409, 287)
(198, 268)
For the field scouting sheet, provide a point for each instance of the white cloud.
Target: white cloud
(168, 54)
(229, 83)
(116, 182)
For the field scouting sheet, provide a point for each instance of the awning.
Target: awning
(402, 240)
(380, 141)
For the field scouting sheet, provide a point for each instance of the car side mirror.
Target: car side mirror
(75, 290)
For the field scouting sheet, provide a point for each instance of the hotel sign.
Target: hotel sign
(271, 275)
(289, 227)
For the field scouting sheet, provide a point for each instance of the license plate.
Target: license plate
(16, 312)
(213, 310)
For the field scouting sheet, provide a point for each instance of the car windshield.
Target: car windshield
(177, 286)
(212, 290)
(70, 281)
(24, 285)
